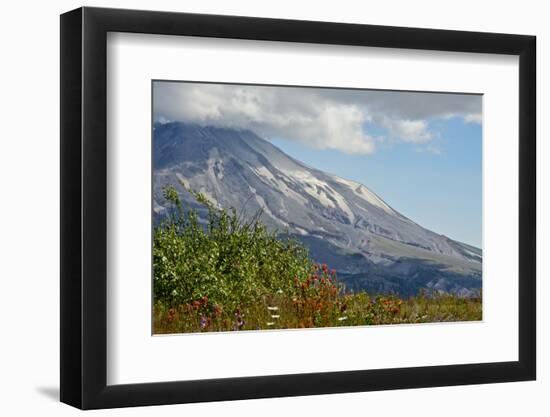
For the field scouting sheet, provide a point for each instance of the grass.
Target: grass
(279, 311)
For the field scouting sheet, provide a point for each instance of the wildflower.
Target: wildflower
(171, 314)
(203, 322)
(275, 316)
(342, 318)
(279, 291)
(272, 308)
(217, 311)
(270, 323)
(239, 324)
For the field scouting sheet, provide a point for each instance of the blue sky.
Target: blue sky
(438, 186)
(421, 152)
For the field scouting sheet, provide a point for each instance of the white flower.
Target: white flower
(272, 308)
(275, 316)
(279, 291)
(342, 318)
(270, 323)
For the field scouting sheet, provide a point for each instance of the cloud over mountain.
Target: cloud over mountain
(322, 118)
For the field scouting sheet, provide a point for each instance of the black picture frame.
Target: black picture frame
(84, 207)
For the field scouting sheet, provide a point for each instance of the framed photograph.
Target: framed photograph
(257, 208)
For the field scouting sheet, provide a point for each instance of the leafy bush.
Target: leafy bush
(229, 261)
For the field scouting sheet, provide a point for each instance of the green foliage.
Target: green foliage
(229, 274)
(230, 261)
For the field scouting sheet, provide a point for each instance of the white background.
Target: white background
(134, 356)
(30, 206)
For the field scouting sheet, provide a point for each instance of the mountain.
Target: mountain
(342, 222)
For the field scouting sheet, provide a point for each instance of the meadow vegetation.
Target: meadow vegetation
(232, 274)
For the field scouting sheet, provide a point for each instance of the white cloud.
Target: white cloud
(320, 118)
(433, 149)
(294, 114)
(473, 118)
(412, 131)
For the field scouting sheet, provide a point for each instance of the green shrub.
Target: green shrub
(229, 261)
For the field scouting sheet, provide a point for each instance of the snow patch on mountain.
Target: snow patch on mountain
(322, 192)
(265, 208)
(366, 194)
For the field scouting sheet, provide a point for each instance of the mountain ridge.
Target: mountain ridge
(334, 217)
